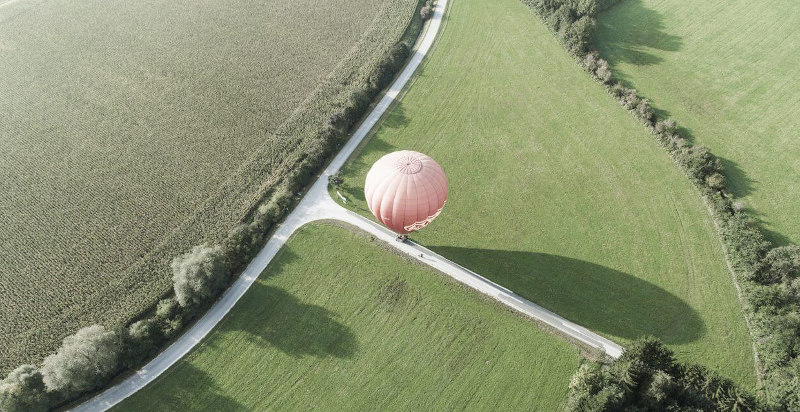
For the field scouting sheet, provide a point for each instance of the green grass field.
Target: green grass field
(726, 71)
(133, 130)
(557, 193)
(340, 322)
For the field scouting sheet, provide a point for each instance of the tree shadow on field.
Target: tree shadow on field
(738, 182)
(397, 118)
(279, 319)
(628, 31)
(195, 390)
(594, 296)
(741, 185)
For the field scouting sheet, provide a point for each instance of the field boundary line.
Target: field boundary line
(307, 210)
(317, 205)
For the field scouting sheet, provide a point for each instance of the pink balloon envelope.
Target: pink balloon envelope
(405, 190)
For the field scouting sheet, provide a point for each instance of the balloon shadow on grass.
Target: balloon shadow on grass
(599, 298)
(281, 320)
(632, 32)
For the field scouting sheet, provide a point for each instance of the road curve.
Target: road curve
(318, 205)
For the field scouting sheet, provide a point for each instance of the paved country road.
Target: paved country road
(318, 205)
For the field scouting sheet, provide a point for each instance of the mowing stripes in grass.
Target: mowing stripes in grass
(726, 71)
(338, 321)
(560, 195)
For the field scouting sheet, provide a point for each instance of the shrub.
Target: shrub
(84, 361)
(603, 73)
(666, 127)
(167, 308)
(335, 179)
(644, 112)
(781, 264)
(357, 103)
(578, 35)
(698, 161)
(199, 275)
(426, 12)
(591, 390)
(628, 98)
(240, 246)
(383, 74)
(746, 244)
(584, 7)
(141, 339)
(23, 390)
(716, 181)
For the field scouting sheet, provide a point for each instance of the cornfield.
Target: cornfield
(131, 131)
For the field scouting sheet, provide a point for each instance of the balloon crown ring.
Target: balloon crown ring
(409, 165)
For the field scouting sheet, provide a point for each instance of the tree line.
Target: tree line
(767, 275)
(92, 356)
(647, 377)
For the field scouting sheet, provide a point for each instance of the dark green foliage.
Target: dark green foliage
(391, 64)
(746, 244)
(785, 390)
(781, 264)
(335, 179)
(573, 21)
(578, 35)
(141, 340)
(240, 246)
(648, 378)
(768, 278)
(698, 161)
(23, 390)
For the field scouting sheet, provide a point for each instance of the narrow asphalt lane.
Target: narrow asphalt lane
(318, 205)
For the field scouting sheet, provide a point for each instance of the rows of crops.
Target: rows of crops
(133, 130)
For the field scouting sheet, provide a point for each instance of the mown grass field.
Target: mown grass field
(339, 321)
(727, 72)
(557, 193)
(131, 131)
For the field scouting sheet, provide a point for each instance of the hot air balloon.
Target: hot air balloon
(405, 190)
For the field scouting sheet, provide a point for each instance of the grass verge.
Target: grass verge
(338, 322)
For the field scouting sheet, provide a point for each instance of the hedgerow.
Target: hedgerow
(88, 359)
(232, 154)
(767, 277)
